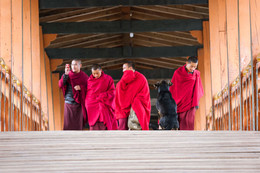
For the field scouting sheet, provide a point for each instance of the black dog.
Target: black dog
(167, 107)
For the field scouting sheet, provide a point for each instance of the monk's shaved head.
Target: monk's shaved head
(192, 63)
(78, 60)
(193, 59)
(130, 64)
(76, 65)
(96, 67)
(96, 71)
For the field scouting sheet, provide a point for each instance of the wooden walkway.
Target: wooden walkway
(130, 151)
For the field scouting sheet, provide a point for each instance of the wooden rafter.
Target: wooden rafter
(47, 4)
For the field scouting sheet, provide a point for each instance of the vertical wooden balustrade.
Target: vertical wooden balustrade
(242, 116)
(20, 110)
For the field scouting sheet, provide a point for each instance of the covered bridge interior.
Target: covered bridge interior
(38, 37)
(157, 37)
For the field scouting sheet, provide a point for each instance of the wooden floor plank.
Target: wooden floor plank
(130, 151)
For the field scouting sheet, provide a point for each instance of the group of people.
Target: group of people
(96, 100)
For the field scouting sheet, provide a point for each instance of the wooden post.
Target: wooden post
(36, 75)
(47, 38)
(56, 101)
(214, 46)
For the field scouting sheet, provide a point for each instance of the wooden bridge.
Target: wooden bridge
(38, 37)
(130, 151)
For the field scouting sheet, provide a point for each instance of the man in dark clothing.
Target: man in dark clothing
(74, 86)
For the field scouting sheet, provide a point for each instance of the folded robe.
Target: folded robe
(133, 91)
(186, 89)
(100, 101)
(80, 79)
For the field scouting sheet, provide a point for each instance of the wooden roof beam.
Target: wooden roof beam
(47, 4)
(122, 52)
(124, 26)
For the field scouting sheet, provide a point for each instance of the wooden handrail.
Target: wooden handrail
(20, 109)
(228, 112)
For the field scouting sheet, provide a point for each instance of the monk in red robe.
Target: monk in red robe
(186, 91)
(132, 93)
(74, 87)
(100, 100)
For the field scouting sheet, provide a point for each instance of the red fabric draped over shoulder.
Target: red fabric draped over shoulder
(100, 101)
(186, 89)
(133, 91)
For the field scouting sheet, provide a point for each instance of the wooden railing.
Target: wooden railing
(20, 110)
(242, 98)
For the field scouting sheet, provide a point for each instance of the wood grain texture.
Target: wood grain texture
(130, 151)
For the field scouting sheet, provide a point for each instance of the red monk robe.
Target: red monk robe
(186, 91)
(100, 101)
(74, 79)
(133, 91)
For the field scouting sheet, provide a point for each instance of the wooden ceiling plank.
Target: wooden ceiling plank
(88, 16)
(94, 42)
(47, 4)
(166, 13)
(164, 40)
(74, 40)
(53, 17)
(155, 61)
(186, 10)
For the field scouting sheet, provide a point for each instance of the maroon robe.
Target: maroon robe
(74, 79)
(186, 90)
(133, 91)
(100, 102)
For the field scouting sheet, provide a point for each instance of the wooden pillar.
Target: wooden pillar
(56, 101)
(244, 27)
(47, 38)
(17, 41)
(205, 72)
(255, 27)
(222, 32)
(6, 27)
(44, 97)
(232, 37)
(200, 118)
(27, 54)
(17, 63)
(6, 48)
(62, 102)
(27, 51)
(214, 46)
(35, 37)
(207, 67)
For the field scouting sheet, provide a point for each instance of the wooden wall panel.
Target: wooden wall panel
(200, 118)
(214, 46)
(47, 38)
(232, 36)
(35, 37)
(207, 67)
(27, 45)
(222, 23)
(44, 97)
(255, 26)
(56, 101)
(6, 27)
(17, 35)
(244, 28)
(62, 102)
